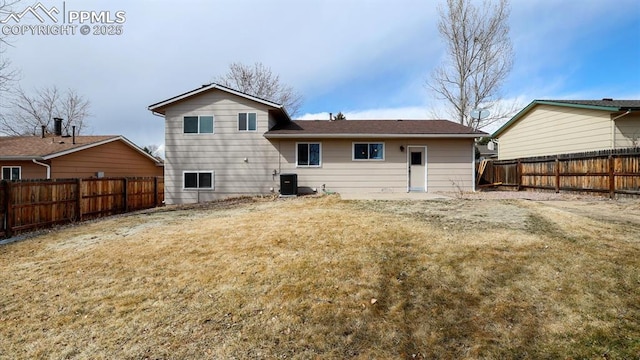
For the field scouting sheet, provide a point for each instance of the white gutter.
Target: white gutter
(45, 165)
(369, 136)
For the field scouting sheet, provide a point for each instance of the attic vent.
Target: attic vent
(607, 99)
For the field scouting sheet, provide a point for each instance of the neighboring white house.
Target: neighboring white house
(551, 127)
(220, 142)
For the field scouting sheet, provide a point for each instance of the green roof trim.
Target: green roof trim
(578, 104)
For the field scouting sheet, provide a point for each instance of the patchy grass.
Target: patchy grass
(331, 279)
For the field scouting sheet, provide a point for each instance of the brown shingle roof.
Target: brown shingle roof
(376, 128)
(36, 147)
(620, 104)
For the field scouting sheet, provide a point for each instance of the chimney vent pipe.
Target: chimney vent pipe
(57, 126)
(44, 128)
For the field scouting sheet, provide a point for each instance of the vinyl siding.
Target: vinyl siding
(223, 152)
(550, 130)
(449, 166)
(114, 159)
(28, 170)
(627, 131)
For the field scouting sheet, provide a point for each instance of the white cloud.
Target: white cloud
(317, 46)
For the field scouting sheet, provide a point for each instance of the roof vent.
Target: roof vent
(607, 99)
(57, 126)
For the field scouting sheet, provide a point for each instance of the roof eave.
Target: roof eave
(158, 107)
(376, 136)
(21, 158)
(521, 113)
(98, 143)
(579, 106)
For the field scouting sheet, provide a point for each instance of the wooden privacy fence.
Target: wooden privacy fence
(28, 204)
(609, 172)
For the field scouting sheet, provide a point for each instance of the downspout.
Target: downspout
(613, 128)
(45, 165)
(473, 164)
(621, 115)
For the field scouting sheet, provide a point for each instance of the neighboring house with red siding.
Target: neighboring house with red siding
(63, 157)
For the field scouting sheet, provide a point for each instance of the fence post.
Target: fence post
(126, 198)
(557, 175)
(612, 177)
(155, 191)
(519, 174)
(8, 213)
(79, 199)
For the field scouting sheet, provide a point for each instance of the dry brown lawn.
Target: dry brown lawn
(329, 279)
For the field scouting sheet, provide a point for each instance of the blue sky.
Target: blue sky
(366, 58)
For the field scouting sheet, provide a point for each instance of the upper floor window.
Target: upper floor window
(247, 122)
(11, 172)
(198, 124)
(308, 154)
(368, 151)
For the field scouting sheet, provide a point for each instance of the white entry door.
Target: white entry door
(417, 168)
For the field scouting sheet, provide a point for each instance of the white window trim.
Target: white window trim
(238, 121)
(12, 167)
(353, 150)
(199, 133)
(213, 180)
(308, 143)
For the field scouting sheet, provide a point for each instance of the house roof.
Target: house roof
(608, 105)
(49, 147)
(160, 107)
(372, 128)
(604, 104)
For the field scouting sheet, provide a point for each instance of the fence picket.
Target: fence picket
(33, 204)
(609, 172)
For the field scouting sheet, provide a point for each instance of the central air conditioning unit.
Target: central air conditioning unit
(288, 184)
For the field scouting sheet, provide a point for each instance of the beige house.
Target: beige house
(551, 127)
(220, 143)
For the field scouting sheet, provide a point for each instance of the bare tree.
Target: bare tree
(478, 60)
(8, 75)
(30, 112)
(258, 80)
(153, 150)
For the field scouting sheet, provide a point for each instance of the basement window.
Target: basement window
(11, 172)
(368, 151)
(198, 180)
